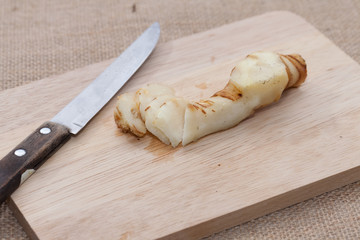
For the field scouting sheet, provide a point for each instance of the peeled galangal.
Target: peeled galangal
(255, 82)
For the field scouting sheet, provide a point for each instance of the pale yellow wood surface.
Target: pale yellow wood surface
(106, 185)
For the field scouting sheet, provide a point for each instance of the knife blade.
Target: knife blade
(20, 163)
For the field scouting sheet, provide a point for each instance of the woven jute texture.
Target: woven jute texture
(39, 38)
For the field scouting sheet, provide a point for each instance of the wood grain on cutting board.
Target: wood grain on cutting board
(107, 185)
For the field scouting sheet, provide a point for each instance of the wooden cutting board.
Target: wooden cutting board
(107, 185)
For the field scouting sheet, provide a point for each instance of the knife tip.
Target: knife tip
(155, 25)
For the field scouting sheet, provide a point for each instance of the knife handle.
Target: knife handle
(29, 155)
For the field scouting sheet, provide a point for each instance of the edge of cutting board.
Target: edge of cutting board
(268, 206)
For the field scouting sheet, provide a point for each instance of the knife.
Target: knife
(30, 154)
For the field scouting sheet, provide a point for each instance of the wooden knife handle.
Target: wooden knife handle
(29, 155)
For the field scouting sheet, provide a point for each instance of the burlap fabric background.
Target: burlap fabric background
(39, 38)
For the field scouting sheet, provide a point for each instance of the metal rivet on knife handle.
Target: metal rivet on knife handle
(45, 130)
(20, 152)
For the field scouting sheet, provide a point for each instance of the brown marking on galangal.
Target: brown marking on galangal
(201, 86)
(201, 105)
(138, 92)
(252, 56)
(135, 112)
(205, 103)
(289, 74)
(230, 92)
(163, 104)
(117, 115)
(194, 107)
(212, 59)
(147, 108)
(300, 66)
(120, 123)
(197, 108)
(118, 118)
(191, 107)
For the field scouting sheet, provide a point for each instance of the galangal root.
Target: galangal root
(255, 82)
